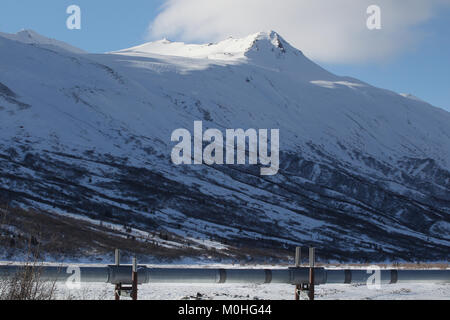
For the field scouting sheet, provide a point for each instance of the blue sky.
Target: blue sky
(422, 69)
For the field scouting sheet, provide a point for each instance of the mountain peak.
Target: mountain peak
(28, 33)
(271, 36)
(271, 41)
(266, 49)
(228, 49)
(29, 36)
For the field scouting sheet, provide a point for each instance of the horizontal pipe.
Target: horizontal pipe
(122, 274)
(359, 276)
(58, 273)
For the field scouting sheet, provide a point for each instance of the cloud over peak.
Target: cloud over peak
(325, 30)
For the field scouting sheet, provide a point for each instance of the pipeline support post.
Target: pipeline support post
(298, 261)
(312, 263)
(118, 286)
(308, 285)
(134, 279)
(118, 275)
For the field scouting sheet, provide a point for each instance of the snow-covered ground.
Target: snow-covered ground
(261, 292)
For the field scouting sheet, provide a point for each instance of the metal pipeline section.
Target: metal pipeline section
(388, 276)
(122, 274)
(58, 273)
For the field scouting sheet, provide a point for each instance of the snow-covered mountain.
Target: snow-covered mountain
(33, 38)
(364, 172)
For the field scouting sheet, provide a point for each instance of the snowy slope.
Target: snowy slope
(346, 105)
(33, 38)
(364, 171)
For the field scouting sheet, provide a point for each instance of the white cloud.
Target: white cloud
(325, 30)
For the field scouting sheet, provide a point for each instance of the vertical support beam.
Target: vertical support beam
(117, 289)
(298, 257)
(117, 257)
(118, 286)
(312, 263)
(298, 261)
(134, 278)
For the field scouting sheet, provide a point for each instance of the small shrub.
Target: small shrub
(27, 284)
